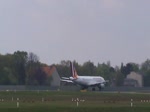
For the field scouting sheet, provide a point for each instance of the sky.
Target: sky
(82, 30)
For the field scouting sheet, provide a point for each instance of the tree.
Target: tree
(88, 69)
(7, 70)
(32, 66)
(32, 58)
(119, 78)
(125, 70)
(40, 76)
(145, 66)
(135, 67)
(106, 71)
(145, 69)
(20, 60)
(64, 68)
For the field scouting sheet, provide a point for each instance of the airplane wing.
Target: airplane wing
(66, 80)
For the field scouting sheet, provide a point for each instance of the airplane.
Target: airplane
(84, 81)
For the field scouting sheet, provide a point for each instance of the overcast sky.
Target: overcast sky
(82, 30)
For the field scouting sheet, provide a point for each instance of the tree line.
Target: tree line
(22, 68)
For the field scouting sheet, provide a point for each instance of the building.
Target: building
(51, 71)
(134, 79)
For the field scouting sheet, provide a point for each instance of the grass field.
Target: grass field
(57, 101)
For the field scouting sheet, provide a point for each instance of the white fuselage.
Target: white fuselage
(88, 80)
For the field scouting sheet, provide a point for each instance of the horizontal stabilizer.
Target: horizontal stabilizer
(66, 80)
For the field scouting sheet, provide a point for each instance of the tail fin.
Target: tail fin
(73, 71)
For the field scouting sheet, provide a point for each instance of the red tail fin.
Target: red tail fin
(73, 71)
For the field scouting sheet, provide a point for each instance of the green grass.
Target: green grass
(58, 101)
(81, 109)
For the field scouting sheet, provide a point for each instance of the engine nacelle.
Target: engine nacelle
(102, 85)
(71, 78)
